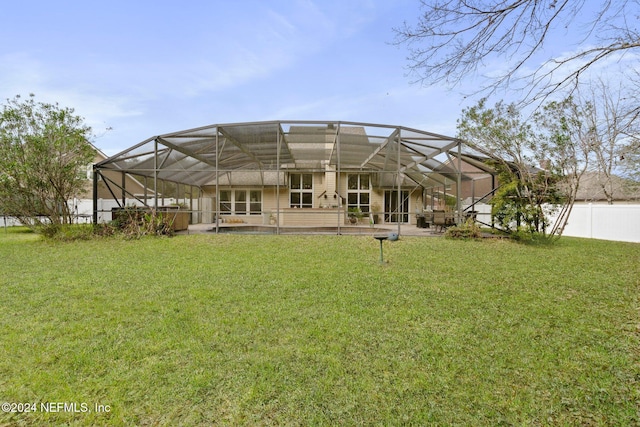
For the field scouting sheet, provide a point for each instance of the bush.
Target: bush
(67, 232)
(105, 230)
(130, 223)
(134, 223)
(468, 230)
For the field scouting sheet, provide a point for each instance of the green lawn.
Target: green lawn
(312, 330)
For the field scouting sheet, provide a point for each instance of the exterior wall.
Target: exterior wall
(329, 195)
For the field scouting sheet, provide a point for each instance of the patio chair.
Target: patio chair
(449, 219)
(439, 220)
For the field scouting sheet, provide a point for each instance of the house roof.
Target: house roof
(262, 151)
(593, 184)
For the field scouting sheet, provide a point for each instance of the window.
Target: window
(359, 192)
(255, 202)
(225, 201)
(396, 210)
(85, 172)
(241, 202)
(90, 171)
(301, 190)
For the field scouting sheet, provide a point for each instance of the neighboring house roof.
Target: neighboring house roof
(591, 188)
(100, 156)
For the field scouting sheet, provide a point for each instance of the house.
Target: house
(296, 173)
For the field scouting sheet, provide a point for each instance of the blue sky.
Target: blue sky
(146, 68)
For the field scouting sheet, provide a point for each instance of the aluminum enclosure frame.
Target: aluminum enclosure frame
(263, 154)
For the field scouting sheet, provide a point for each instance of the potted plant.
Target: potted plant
(355, 215)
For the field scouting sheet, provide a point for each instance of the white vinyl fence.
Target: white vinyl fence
(619, 222)
(606, 222)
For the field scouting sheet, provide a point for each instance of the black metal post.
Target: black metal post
(95, 195)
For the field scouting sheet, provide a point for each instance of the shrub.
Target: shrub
(134, 223)
(468, 230)
(130, 223)
(106, 230)
(67, 232)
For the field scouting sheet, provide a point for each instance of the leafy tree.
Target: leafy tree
(529, 166)
(453, 39)
(43, 149)
(565, 142)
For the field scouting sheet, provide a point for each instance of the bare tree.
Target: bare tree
(612, 118)
(454, 39)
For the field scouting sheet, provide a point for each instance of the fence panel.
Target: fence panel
(607, 222)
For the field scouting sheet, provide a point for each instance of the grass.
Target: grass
(312, 330)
